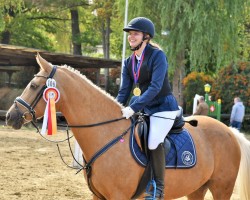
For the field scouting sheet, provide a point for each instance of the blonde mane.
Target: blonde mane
(88, 81)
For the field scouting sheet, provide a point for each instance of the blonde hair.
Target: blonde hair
(152, 43)
(155, 44)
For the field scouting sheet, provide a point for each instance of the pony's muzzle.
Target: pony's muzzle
(14, 119)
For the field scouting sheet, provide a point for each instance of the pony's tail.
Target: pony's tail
(243, 178)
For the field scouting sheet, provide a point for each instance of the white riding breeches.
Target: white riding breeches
(160, 126)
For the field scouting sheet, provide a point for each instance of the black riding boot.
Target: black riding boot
(157, 160)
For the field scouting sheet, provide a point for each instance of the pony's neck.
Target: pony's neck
(83, 102)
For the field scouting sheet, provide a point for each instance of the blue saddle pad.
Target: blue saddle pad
(182, 153)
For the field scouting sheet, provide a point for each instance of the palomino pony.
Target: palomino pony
(115, 174)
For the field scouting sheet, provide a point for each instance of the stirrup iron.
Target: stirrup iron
(151, 190)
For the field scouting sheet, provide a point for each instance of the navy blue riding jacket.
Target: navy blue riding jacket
(153, 82)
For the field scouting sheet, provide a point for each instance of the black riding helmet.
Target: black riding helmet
(142, 24)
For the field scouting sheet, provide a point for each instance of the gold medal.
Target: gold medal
(137, 91)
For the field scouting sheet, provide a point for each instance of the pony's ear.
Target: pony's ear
(44, 64)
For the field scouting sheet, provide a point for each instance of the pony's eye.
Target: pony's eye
(33, 86)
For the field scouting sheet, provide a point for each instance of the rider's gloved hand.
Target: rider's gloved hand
(127, 112)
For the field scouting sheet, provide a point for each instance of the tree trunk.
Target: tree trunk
(5, 37)
(104, 38)
(179, 74)
(77, 47)
(106, 55)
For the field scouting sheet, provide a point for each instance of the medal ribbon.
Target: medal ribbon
(136, 71)
(51, 95)
(52, 124)
(49, 118)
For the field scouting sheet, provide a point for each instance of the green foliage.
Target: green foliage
(2, 24)
(90, 33)
(116, 36)
(22, 29)
(33, 35)
(232, 81)
(194, 84)
(244, 40)
(207, 30)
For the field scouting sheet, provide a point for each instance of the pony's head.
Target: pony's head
(31, 105)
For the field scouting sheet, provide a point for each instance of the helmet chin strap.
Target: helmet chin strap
(139, 45)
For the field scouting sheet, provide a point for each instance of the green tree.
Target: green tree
(205, 31)
(17, 19)
(52, 11)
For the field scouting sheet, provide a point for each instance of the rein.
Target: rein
(87, 165)
(91, 125)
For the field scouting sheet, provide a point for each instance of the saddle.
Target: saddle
(142, 131)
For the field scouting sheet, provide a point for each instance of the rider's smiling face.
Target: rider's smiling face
(134, 38)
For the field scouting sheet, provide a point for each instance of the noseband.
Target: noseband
(30, 107)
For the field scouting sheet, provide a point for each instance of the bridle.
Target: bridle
(31, 107)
